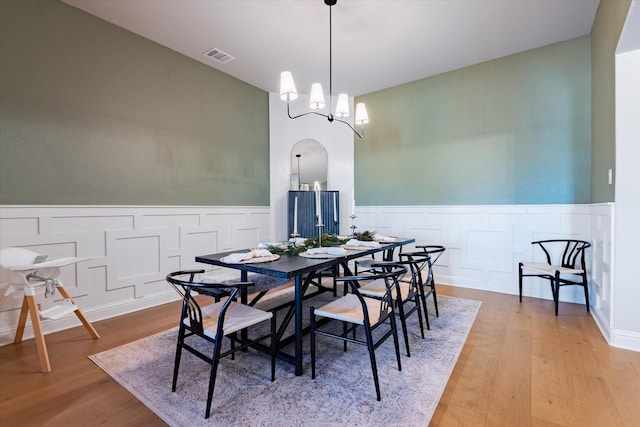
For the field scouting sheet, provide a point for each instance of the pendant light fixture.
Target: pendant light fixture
(289, 93)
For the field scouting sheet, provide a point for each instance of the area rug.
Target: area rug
(342, 394)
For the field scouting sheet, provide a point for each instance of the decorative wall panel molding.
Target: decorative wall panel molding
(130, 251)
(486, 243)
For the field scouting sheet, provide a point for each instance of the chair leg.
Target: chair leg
(312, 338)
(432, 284)
(403, 323)
(344, 333)
(586, 291)
(557, 290)
(435, 299)
(396, 341)
(85, 322)
(212, 377)
(520, 280)
(176, 364)
(273, 347)
(22, 320)
(419, 309)
(553, 289)
(43, 355)
(372, 359)
(424, 307)
(232, 340)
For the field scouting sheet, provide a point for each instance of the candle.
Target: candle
(318, 207)
(295, 215)
(353, 206)
(335, 213)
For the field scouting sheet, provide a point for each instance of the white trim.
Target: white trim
(92, 314)
(484, 245)
(130, 249)
(625, 339)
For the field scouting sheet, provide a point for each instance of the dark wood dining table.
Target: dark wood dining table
(297, 268)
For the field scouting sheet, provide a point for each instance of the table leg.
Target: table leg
(298, 325)
(244, 277)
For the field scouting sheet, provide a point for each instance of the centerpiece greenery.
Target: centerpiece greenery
(326, 240)
(365, 236)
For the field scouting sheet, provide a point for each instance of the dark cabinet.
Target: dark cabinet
(306, 212)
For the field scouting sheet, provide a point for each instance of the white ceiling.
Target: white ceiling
(376, 43)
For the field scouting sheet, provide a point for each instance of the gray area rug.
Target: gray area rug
(342, 394)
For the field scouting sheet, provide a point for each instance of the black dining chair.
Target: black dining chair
(407, 292)
(565, 266)
(213, 322)
(355, 310)
(434, 252)
(365, 265)
(426, 286)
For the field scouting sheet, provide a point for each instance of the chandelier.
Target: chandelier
(289, 93)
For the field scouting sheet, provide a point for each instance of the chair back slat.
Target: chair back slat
(417, 262)
(390, 272)
(193, 322)
(193, 311)
(391, 276)
(572, 255)
(190, 307)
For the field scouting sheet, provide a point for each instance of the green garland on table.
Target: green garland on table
(365, 236)
(292, 248)
(327, 240)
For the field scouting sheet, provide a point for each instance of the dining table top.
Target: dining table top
(289, 266)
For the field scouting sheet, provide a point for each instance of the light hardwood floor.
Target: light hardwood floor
(520, 366)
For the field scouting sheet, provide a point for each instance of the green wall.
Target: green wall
(516, 130)
(93, 114)
(604, 40)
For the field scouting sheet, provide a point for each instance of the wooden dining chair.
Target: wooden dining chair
(565, 266)
(434, 252)
(224, 318)
(426, 285)
(357, 311)
(407, 292)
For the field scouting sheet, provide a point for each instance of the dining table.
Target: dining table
(301, 270)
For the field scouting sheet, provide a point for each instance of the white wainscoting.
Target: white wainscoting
(131, 249)
(486, 243)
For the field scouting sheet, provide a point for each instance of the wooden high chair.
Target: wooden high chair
(24, 269)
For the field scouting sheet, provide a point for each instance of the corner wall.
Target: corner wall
(626, 321)
(605, 34)
(486, 243)
(336, 138)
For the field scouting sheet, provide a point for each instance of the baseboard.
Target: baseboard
(625, 340)
(615, 337)
(93, 315)
(601, 323)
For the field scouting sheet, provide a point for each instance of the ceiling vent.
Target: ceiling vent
(219, 55)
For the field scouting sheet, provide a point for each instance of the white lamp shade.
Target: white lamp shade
(316, 100)
(288, 90)
(362, 118)
(342, 109)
